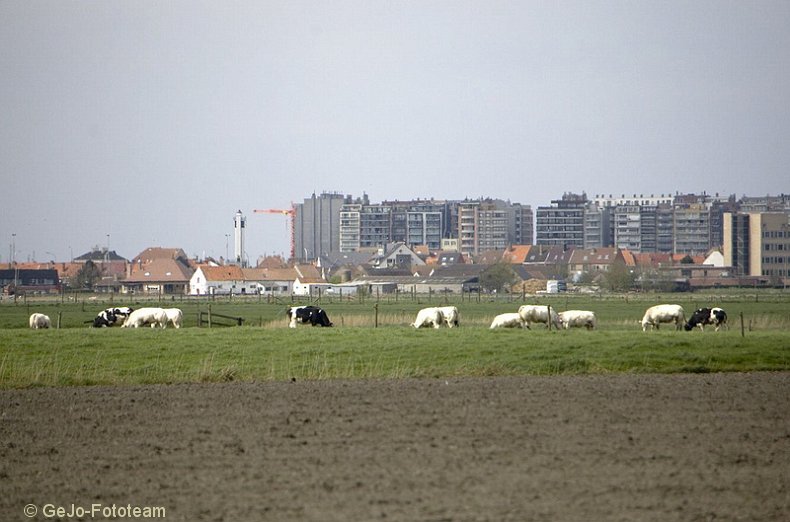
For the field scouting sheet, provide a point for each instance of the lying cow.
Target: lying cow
(174, 316)
(429, 317)
(704, 316)
(538, 314)
(121, 311)
(508, 320)
(577, 318)
(146, 316)
(664, 313)
(110, 316)
(307, 314)
(104, 319)
(38, 321)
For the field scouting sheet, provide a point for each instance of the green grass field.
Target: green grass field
(265, 349)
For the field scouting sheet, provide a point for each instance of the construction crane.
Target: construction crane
(290, 213)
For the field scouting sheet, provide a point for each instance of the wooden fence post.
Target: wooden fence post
(376, 316)
(209, 315)
(743, 333)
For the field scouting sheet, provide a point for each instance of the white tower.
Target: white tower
(239, 222)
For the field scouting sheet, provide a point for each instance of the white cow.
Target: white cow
(429, 317)
(450, 315)
(509, 320)
(174, 316)
(538, 314)
(143, 316)
(578, 318)
(39, 321)
(663, 313)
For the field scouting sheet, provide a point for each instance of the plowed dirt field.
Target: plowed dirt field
(619, 447)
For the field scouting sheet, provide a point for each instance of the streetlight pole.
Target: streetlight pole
(227, 236)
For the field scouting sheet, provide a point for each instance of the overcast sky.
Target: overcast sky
(153, 122)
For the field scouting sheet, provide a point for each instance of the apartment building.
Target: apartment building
(562, 223)
(316, 225)
(758, 244)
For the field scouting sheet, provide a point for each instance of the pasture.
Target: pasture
(372, 339)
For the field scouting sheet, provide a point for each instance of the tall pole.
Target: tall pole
(13, 260)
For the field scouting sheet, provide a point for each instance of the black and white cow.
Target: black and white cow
(110, 316)
(104, 319)
(706, 316)
(307, 314)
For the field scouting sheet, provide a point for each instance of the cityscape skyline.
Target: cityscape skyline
(230, 252)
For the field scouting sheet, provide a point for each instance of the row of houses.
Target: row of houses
(168, 271)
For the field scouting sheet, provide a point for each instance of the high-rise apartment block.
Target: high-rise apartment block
(758, 244)
(680, 223)
(333, 222)
(665, 223)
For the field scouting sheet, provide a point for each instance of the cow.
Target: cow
(702, 316)
(429, 317)
(538, 314)
(121, 311)
(449, 315)
(104, 319)
(174, 316)
(719, 318)
(38, 321)
(143, 316)
(578, 318)
(508, 320)
(110, 316)
(663, 313)
(307, 314)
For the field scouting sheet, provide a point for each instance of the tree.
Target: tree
(88, 275)
(619, 278)
(497, 277)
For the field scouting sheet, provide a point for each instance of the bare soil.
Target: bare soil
(622, 447)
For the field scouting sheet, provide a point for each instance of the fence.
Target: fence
(209, 319)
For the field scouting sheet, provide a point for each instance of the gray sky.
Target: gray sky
(154, 122)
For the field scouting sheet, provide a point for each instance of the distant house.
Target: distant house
(308, 279)
(270, 281)
(594, 260)
(29, 280)
(397, 255)
(450, 279)
(217, 280)
(161, 271)
(110, 264)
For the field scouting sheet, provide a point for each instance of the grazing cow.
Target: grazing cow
(143, 316)
(449, 315)
(719, 318)
(664, 313)
(702, 316)
(578, 318)
(538, 314)
(509, 320)
(38, 321)
(429, 317)
(307, 314)
(174, 316)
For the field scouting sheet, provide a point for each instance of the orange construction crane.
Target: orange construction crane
(290, 213)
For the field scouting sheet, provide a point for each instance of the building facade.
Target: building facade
(758, 244)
